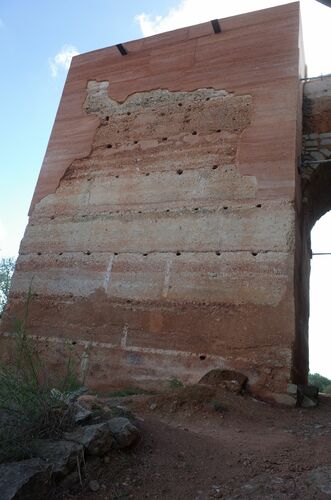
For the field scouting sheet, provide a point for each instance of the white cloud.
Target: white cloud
(190, 12)
(316, 20)
(149, 25)
(62, 59)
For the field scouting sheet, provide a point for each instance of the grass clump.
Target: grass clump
(33, 402)
(28, 411)
(175, 383)
(217, 406)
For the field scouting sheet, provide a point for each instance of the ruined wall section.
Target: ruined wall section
(166, 247)
(162, 182)
(316, 147)
(315, 186)
(157, 221)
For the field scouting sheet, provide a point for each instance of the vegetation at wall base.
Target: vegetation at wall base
(175, 383)
(33, 401)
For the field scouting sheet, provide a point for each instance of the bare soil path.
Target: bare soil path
(229, 446)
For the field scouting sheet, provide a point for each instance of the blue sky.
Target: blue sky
(31, 34)
(36, 40)
(36, 34)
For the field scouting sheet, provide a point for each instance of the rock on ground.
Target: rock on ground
(227, 379)
(94, 485)
(62, 455)
(321, 479)
(27, 479)
(124, 432)
(81, 414)
(97, 439)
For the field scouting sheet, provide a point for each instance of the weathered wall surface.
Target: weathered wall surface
(316, 192)
(162, 231)
(316, 147)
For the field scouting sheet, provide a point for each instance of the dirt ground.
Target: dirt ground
(199, 445)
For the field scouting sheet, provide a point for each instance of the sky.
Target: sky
(38, 39)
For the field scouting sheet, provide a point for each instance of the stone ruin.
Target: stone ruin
(169, 229)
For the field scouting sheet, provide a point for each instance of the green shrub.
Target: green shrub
(319, 381)
(175, 383)
(217, 406)
(7, 266)
(33, 402)
(28, 411)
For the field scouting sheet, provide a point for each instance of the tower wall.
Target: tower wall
(162, 232)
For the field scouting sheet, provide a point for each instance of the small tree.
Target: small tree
(323, 383)
(7, 266)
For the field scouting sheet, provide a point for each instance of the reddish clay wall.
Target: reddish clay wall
(162, 230)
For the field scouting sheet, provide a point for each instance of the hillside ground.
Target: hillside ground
(198, 444)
